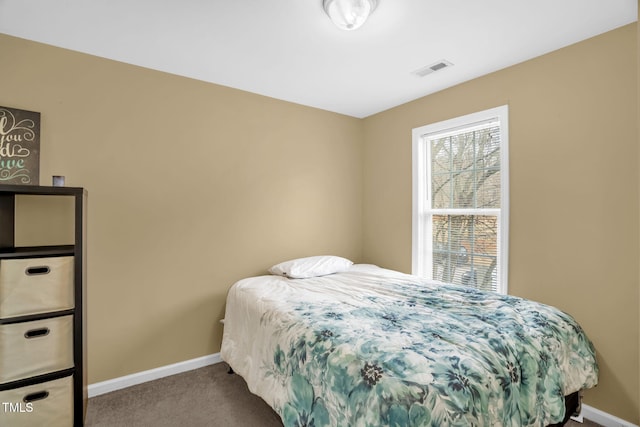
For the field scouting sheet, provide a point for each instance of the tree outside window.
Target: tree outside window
(459, 219)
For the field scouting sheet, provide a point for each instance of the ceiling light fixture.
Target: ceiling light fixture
(349, 14)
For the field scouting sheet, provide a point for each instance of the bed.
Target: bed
(367, 346)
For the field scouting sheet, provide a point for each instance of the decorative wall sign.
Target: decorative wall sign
(19, 146)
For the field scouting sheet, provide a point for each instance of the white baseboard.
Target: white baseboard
(103, 387)
(603, 418)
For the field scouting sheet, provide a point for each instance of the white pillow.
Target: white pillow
(302, 268)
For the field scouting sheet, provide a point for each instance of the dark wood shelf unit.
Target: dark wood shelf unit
(36, 251)
(8, 250)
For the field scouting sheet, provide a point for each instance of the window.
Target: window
(460, 204)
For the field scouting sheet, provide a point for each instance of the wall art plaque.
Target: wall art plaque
(19, 146)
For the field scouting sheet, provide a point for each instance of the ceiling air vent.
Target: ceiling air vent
(421, 72)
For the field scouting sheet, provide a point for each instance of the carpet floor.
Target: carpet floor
(205, 397)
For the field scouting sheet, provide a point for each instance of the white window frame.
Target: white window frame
(422, 247)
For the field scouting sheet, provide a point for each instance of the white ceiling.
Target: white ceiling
(288, 49)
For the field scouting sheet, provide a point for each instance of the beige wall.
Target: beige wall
(192, 186)
(574, 221)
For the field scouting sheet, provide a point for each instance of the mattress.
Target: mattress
(372, 347)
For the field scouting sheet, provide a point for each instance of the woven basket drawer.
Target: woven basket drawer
(35, 285)
(46, 404)
(37, 347)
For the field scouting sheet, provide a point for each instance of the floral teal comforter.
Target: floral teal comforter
(372, 347)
